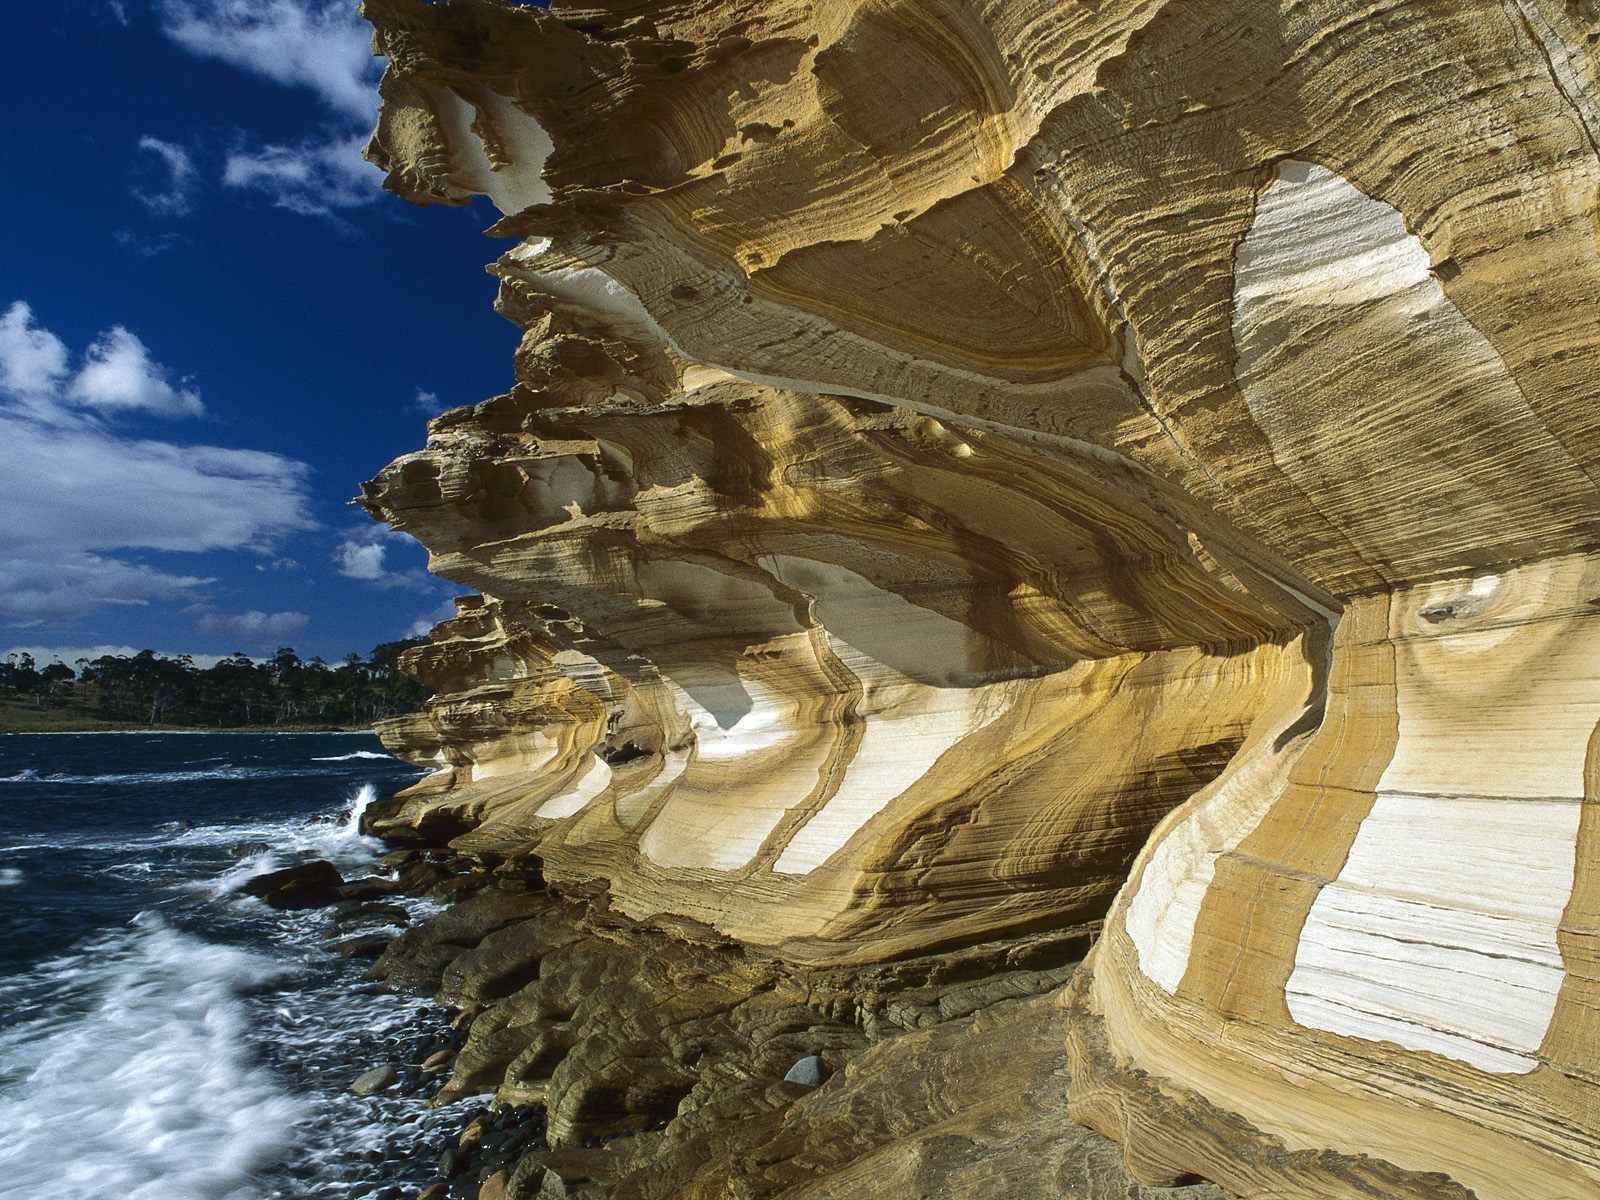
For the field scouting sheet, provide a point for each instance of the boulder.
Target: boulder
(307, 885)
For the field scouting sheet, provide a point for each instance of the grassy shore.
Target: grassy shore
(69, 718)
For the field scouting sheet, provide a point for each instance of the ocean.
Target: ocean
(163, 1037)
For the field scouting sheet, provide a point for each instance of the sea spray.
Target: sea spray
(204, 1050)
(364, 798)
(138, 1081)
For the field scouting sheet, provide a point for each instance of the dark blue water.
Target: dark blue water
(161, 1036)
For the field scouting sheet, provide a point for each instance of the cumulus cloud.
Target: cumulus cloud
(254, 627)
(173, 196)
(79, 494)
(315, 178)
(33, 361)
(360, 560)
(323, 45)
(119, 375)
(365, 556)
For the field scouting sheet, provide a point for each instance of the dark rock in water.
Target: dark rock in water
(366, 945)
(309, 885)
(807, 1071)
(374, 1080)
(350, 912)
(436, 1191)
(372, 887)
(457, 886)
(246, 849)
(452, 1162)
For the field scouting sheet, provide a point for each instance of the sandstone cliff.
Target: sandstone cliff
(952, 440)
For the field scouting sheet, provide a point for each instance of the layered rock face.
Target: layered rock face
(952, 440)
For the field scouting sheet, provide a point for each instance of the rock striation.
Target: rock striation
(975, 468)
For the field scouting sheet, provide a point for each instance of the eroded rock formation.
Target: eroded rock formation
(952, 440)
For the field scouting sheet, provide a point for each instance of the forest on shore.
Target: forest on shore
(150, 689)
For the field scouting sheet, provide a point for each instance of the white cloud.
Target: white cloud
(175, 195)
(118, 11)
(76, 492)
(323, 45)
(148, 245)
(360, 560)
(315, 178)
(33, 361)
(254, 627)
(365, 556)
(428, 402)
(36, 586)
(43, 655)
(118, 376)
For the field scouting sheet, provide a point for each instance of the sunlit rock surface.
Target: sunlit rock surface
(951, 440)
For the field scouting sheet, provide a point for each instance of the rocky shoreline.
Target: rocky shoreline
(617, 1058)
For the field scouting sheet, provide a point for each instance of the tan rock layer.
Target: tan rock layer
(951, 440)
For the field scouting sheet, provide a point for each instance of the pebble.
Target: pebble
(806, 1071)
(374, 1080)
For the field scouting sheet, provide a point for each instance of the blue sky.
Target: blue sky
(214, 325)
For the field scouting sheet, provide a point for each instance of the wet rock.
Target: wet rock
(452, 1162)
(367, 945)
(307, 885)
(435, 1191)
(371, 887)
(494, 1187)
(417, 959)
(374, 1080)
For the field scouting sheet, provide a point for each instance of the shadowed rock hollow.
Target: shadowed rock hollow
(977, 468)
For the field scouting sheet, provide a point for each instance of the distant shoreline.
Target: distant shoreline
(251, 730)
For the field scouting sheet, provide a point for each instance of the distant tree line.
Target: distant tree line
(151, 689)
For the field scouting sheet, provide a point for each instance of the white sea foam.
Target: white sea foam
(358, 808)
(10, 876)
(138, 1082)
(337, 839)
(163, 776)
(352, 757)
